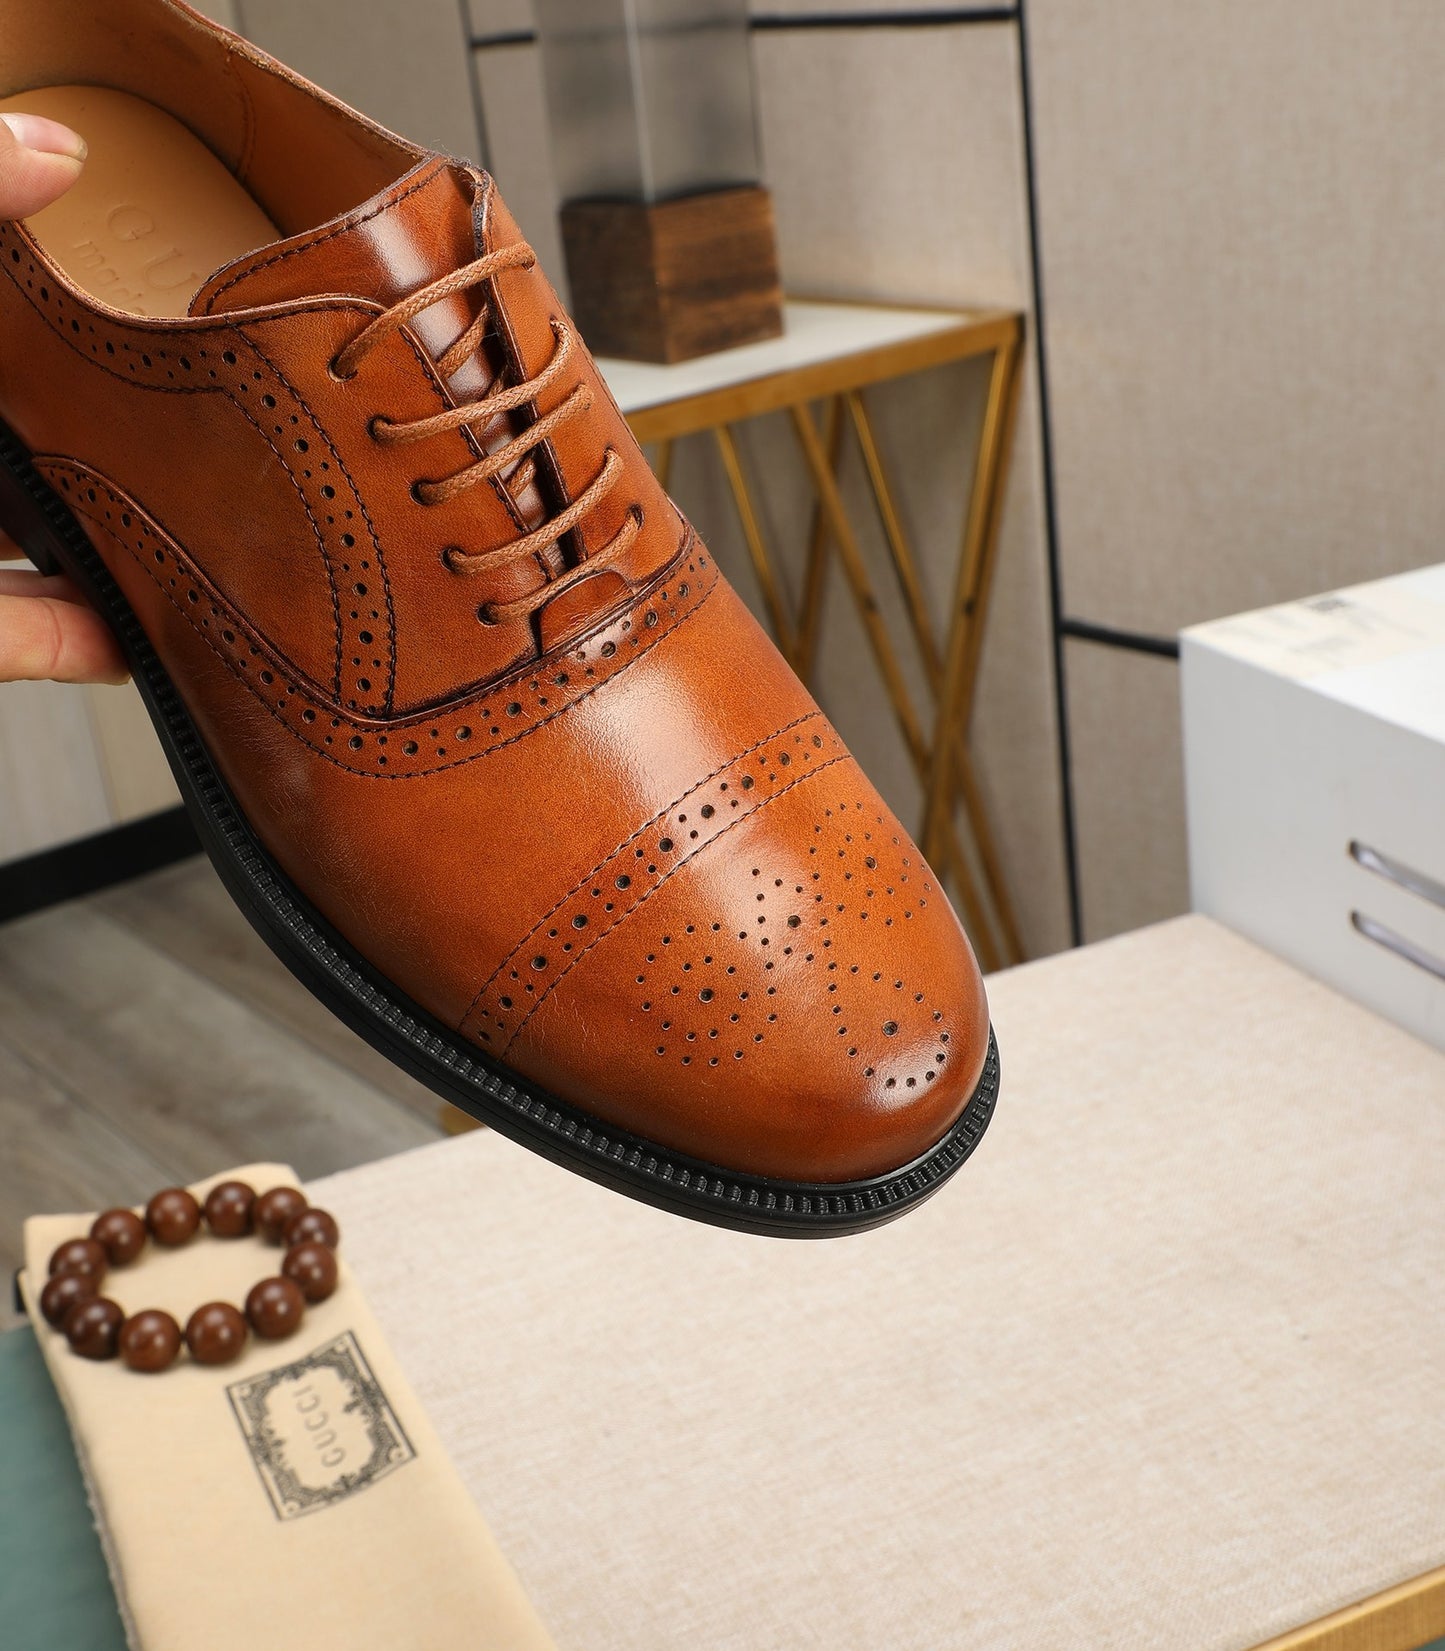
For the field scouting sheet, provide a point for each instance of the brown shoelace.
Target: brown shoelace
(480, 413)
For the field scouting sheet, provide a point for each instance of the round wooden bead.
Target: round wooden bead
(312, 1265)
(313, 1226)
(215, 1333)
(228, 1209)
(274, 1307)
(93, 1327)
(172, 1217)
(150, 1340)
(62, 1292)
(121, 1233)
(274, 1209)
(79, 1255)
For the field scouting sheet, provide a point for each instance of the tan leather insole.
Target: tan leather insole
(154, 213)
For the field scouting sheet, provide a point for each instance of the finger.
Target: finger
(45, 639)
(39, 160)
(9, 550)
(24, 582)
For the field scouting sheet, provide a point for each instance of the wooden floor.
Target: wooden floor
(148, 1037)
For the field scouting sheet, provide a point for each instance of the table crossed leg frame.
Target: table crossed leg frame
(940, 754)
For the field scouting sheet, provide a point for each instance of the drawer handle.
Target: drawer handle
(1397, 943)
(1395, 871)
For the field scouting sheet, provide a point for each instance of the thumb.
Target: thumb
(39, 160)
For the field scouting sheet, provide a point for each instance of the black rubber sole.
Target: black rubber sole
(36, 518)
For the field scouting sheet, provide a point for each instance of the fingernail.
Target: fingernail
(46, 136)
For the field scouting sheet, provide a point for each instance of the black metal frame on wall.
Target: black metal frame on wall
(127, 850)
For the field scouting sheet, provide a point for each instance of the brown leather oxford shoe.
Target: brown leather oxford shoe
(470, 723)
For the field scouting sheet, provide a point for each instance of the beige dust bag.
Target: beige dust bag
(294, 1499)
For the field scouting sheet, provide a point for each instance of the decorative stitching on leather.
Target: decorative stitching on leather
(248, 114)
(440, 394)
(317, 533)
(190, 351)
(250, 158)
(546, 454)
(185, 348)
(344, 228)
(199, 354)
(571, 962)
(173, 335)
(709, 812)
(388, 698)
(242, 382)
(396, 745)
(197, 337)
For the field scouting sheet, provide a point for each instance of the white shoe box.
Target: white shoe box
(1314, 753)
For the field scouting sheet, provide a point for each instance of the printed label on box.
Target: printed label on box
(1334, 632)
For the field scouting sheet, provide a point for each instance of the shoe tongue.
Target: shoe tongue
(422, 227)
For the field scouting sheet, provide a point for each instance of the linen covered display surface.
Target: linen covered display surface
(295, 1497)
(1162, 1374)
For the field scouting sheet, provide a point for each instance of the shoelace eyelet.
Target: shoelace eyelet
(511, 456)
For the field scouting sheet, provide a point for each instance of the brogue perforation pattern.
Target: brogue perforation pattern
(699, 989)
(633, 872)
(401, 747)
(222, 360)
(365, 677)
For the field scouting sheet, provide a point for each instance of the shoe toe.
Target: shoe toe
(796, 999)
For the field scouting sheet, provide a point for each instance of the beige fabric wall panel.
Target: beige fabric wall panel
(406, 65)
(512, 16)
(843, 8)
(491, 17)
(1015, 731)
(519, 147)
(137, 776)
(1128, 774)
(1242, 243)
(52, 787)
(224, 11)
(895, 157)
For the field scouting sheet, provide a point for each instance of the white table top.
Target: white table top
(813, 333)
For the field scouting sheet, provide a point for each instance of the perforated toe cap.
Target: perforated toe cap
(799, 999)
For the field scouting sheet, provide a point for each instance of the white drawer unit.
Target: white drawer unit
(1314, 749)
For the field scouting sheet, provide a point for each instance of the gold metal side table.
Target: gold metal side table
(832, 353)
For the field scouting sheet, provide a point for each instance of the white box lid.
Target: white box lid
(1379, 646)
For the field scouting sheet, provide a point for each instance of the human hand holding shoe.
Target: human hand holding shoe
(46, 629)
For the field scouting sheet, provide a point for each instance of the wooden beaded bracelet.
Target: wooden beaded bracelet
(98, 1328)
